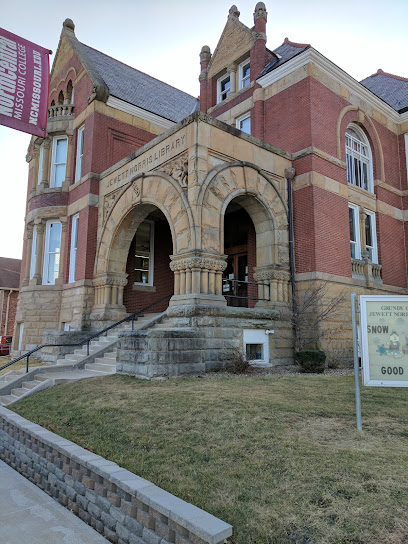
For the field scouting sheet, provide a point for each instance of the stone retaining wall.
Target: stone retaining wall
(123, 507)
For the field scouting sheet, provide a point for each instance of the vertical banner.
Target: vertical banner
(384, 338)
(24, 77)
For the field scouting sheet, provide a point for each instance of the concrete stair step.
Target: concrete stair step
(101, 367)
(111, 355)
(20, 391)
(8, 399)
(31, 384)
(40, 378)
(104, 361)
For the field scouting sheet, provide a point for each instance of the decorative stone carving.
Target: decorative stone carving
(136, 189)
(202, 263)
(29, 157)
(233, 12)
(260, 11)
(270, 275)
(178, 170)
(109, 203)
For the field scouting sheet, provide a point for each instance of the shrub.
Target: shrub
(238, 363)
(311, 360)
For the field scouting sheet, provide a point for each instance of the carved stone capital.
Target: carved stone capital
(47, 144)
(232, 68)
(270, 274)
(197, 263)
(119, 280)
(203, 76)
(29, 232)
(29, 157)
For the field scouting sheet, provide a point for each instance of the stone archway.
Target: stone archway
(131, 205)
(261, 197)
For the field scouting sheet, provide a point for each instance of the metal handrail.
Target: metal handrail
(87, 340)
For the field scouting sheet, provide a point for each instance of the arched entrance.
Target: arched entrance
(131, 260)
(240, 247)
(148, 265)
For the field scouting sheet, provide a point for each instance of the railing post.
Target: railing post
(28, 359)
(133, 323)
(87, 348)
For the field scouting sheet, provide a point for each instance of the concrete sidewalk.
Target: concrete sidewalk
(29, 515)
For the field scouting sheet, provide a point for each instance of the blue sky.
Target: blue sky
(164, 39)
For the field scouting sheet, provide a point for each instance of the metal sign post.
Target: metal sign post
(356, 368)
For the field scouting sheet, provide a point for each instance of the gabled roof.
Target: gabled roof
(111, 77)
(140, 89)
(390, 88)
(10, 272)
(283, 53)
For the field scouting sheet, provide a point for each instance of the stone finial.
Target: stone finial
(205, 53)
(260, 12)
(233, 12)
(68, 24)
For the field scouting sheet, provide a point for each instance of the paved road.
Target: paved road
(30, 516)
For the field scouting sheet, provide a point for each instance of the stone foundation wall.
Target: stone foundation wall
(39, 310)
(76, 304)
(198, 338)
(123, 507)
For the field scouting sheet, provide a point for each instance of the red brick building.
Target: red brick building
(9, 288)
(95, 250)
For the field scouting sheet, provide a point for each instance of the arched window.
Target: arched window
(60, 98)
(359, 159)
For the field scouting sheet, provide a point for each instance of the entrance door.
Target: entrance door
(235, 282)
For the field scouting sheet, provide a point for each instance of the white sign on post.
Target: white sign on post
(384, 340)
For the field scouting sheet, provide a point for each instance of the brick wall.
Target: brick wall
(115, 502)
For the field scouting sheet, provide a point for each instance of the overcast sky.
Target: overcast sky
(164, 38)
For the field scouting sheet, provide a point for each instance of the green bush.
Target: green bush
(311, 360)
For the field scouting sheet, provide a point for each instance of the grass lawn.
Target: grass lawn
(4, 359)
(278, 457)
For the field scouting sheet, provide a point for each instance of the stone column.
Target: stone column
(274, 282)
(205, 57)
(232, 70)
(69, 162)
(37, 278)
(109, 296)
(198, 279)
(45, 182)
(363, 241)
(60, 279)
(29, 235)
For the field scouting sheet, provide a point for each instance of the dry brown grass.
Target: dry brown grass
(278, 457)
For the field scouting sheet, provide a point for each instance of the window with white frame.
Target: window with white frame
(33, 253)
(358, 159)
(244, 74)
(59, 160)
(224, 85)
(244, 123)
(52, 252)
(74, 245)
(79, 153)
(355, 246)
(370, 234)
(40, 165)
(144, 250)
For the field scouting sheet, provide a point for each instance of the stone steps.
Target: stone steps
(98, 366)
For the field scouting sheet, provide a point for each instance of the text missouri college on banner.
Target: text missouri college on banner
(24, 69)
